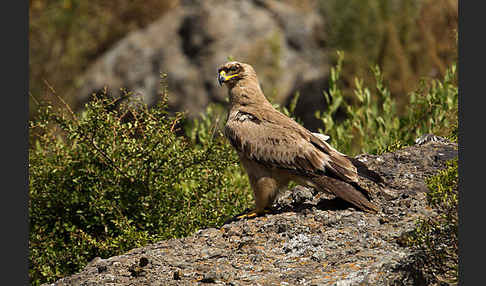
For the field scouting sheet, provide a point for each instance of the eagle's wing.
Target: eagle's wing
(277, 141)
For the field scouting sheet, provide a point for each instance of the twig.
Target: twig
(110, 160)
(35, 99)
(178, 117)
(215, 126)
(60, 99)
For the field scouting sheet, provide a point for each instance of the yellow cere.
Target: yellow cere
(223, 74)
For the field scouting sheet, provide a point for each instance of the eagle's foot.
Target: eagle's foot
(253, 214)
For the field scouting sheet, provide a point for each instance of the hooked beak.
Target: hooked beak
(222, 77)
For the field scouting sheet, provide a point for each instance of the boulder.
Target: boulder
(284, 43)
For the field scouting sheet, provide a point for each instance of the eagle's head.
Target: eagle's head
(231, 72)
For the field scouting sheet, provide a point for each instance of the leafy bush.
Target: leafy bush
(374, 124)
(116, 177)
(436, 239)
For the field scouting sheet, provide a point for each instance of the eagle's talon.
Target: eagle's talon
(253, 214)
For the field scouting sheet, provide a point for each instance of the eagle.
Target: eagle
(274, 149)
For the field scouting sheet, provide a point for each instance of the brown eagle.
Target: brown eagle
(274, 149)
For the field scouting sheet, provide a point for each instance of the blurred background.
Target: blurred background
(80, 47)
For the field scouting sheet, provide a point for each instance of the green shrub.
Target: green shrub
(374, 124)
(116, 177)
(436, 239)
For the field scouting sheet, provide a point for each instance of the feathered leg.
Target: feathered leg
(265, 190)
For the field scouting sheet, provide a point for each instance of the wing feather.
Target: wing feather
(285, 145)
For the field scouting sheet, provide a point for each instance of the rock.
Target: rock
(331, 245)
(209, 277)
(282, 42)
(429, 138)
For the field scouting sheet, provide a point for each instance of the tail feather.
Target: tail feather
(363, 171)
(352, 194)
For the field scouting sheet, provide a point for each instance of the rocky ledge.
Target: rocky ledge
(309, 239)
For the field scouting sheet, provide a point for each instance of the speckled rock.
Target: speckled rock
(309, 239)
